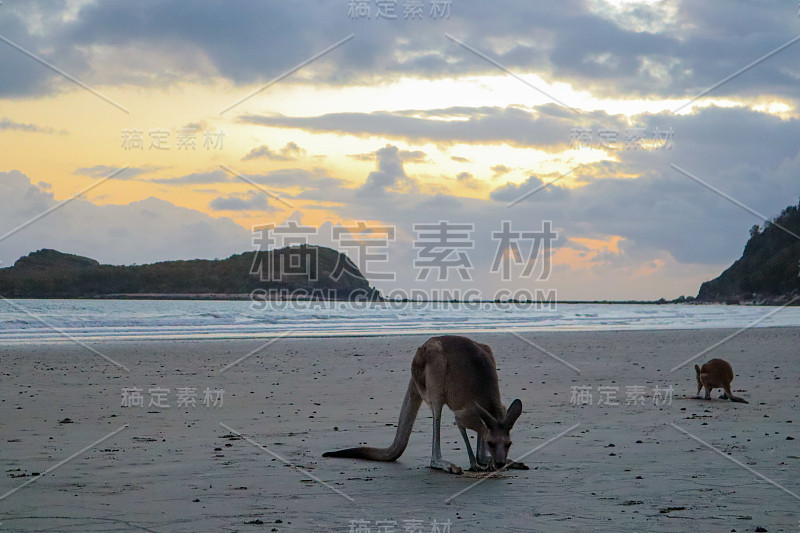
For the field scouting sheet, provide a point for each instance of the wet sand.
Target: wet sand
(628, 467)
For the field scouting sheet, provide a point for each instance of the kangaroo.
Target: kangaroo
(460, 373)
(713, 374)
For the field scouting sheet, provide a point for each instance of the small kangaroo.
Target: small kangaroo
(713, 374)
(460, 373)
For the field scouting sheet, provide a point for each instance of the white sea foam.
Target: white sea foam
(53, 320)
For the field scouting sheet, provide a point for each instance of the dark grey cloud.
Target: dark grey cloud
(252, 201)
(21, 76)
(499, 170)
(363, 157)
(715, 139)
(406, 156)
(545, 126)
(282, 178)
(263, 151)
(511, 192)
(10, 124)
(296, 177)
(196, 178)
(102, 171)
(389, 176)
(641, 51)
(615, 56)
(466, 179)
(413, 156)
(443, 203)
(198, 125)
(290, 152)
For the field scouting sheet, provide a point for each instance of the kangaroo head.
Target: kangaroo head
(498, 431)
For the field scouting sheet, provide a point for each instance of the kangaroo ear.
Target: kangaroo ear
(697, 369)
(513, 413)
(488, 420)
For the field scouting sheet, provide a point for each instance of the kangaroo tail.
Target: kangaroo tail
(408, 413)
(733, 398)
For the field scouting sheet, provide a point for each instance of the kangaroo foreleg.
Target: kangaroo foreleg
(436, 447)
(473, 463)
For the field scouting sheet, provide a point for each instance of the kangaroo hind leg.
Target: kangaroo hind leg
(729, 395)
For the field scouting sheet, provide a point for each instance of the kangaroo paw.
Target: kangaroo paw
(514, 465)
(448, 467)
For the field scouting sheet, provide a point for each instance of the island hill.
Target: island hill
(306, 272)
(768, 273)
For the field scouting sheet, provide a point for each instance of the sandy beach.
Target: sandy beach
(652, 462)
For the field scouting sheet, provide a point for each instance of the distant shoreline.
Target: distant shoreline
(247, 297)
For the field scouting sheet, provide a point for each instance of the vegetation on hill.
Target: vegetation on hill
(318, 272)
(768, 271)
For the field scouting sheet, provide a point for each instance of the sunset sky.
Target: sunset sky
(451, 113)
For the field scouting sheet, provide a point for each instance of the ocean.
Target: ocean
(38, 321)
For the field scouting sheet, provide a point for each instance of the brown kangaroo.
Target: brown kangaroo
(713, 374)
(460, 373)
